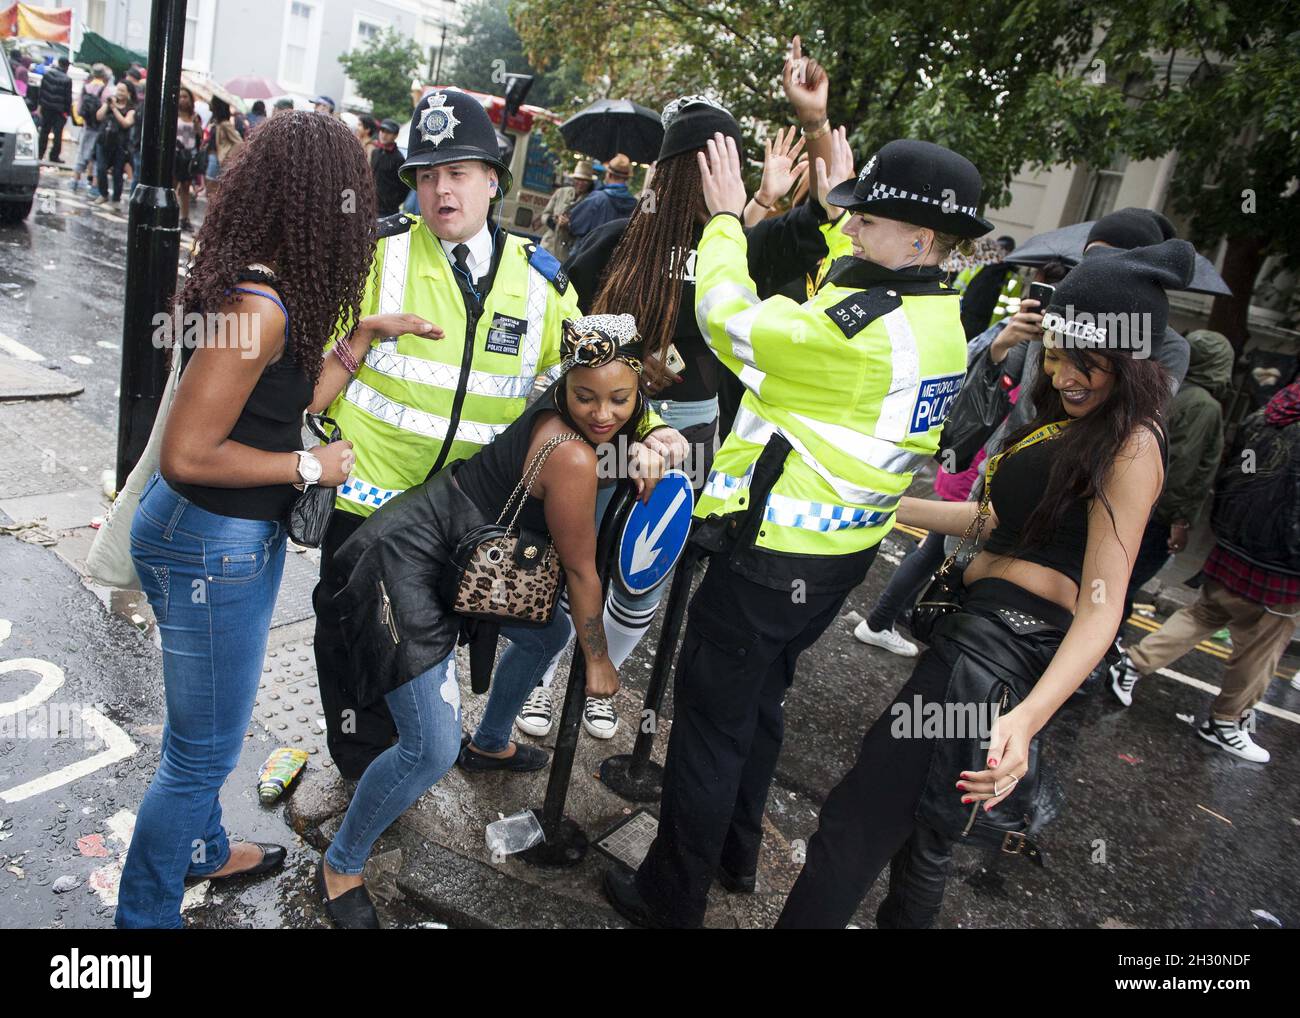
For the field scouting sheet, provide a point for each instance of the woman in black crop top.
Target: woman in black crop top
(401, 637)
(1071, 496)
(208, 537)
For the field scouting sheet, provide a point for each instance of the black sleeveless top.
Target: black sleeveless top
(272, 421)
(490, 476)
(1017, 489)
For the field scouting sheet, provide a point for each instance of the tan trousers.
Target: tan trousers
(1259, 637)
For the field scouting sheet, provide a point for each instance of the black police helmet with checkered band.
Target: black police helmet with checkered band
(920, 183)
(450, 126)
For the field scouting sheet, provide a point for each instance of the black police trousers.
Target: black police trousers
(355, 735)
(737, 661)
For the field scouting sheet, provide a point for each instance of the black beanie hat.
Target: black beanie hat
(1131, 227)
(689, 122)
(1118, 302)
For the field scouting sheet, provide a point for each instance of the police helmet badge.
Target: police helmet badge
(866, 170)
(438, 122)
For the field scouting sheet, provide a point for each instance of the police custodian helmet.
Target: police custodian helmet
(920, 183)
(449, 126)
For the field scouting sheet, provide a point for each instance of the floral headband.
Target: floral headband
(595, 340)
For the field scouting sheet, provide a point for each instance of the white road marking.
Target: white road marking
(119, 747)
(105, 880)
(17, 349)
(76, 358)
(107, 345)
(1262, 707)
(51, 678)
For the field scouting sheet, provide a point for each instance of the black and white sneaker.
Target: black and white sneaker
(534, 717)
(1234, 737)
(599, 718)
(1123, 677)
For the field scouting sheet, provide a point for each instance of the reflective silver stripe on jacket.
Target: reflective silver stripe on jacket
(882, 455)
(729, 290)
(392, 280)
(418, 422)
(905, 382)
(387, 361)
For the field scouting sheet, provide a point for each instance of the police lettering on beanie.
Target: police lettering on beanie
(1131, 227)
(1119, 303)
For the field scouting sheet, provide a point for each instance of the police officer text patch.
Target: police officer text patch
(854, 313)
(505, 333)
(933, 401)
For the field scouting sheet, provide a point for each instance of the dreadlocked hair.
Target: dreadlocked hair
(645, 274)
(300, 196)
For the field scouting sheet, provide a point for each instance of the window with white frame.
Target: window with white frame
(365, 29)
(301, 42)
(196, 54)
(96, 12)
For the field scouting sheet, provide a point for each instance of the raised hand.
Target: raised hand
(840, 170)
(721, 182)
(782, 167)
(806, 86)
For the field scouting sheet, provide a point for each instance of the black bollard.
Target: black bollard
(565, 842)
(635, 776)
(154, 239)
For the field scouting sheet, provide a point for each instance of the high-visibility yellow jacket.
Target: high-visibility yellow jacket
(858, 380)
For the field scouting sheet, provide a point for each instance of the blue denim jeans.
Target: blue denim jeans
(531, 655)
(426, 711)
(211, 582)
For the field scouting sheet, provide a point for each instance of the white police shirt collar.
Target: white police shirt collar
(480, 252)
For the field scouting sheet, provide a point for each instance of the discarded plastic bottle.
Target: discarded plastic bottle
(278, 773)
(513, 833)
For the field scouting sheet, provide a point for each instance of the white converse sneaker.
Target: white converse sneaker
(1123, 677)
(885, 638)
(534, 717)
(599, 718)
(1234, 737)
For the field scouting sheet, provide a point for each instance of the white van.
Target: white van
(20, 171)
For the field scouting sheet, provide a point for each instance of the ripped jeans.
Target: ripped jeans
(427, 713)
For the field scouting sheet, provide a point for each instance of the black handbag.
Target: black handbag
(943, 596)
(310, 514)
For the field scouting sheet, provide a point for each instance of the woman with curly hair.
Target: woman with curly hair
(208, 538)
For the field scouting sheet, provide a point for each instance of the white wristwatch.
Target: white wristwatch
(309, 468)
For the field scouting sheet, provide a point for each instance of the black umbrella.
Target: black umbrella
(1066, 245)
(610, 126)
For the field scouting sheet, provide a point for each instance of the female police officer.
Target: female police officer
(846, 396)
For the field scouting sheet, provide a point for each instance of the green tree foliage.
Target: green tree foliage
(490, 48)
(382, 71)
(1011, 84)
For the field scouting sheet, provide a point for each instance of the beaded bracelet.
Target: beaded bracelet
(343, 351)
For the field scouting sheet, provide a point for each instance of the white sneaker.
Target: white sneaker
(1234, 737)
(887, 639)
(1123, 677)
(599, 718)
(534, 717)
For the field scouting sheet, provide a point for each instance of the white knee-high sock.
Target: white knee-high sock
(624, 628)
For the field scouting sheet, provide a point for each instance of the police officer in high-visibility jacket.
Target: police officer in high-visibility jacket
(413, 403)
(846, 396)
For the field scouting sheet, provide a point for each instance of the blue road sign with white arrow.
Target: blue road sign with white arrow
(656, 533)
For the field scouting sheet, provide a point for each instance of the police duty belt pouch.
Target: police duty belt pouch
(309, 515)
(975, 646)
(500, 573)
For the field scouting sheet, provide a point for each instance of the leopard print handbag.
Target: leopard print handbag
(503, 575)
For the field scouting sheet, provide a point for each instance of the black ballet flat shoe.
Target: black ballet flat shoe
(351, 910)
(619, 885)
(273, 857)
(737, 885)
(525, 758)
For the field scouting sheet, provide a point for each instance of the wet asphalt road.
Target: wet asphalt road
(1158, 828)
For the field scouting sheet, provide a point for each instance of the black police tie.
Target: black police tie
(461, 253)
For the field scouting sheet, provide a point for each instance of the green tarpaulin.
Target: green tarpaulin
(96, 49)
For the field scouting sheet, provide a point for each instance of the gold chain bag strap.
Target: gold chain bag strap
(943, 595)
(505, 575)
